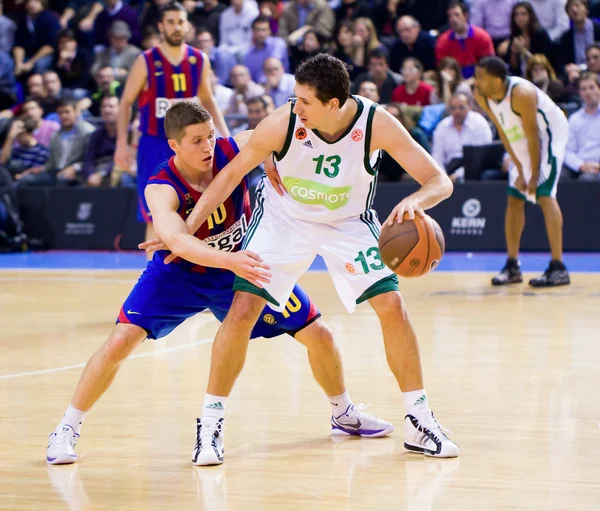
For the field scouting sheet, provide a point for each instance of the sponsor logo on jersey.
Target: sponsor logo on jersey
(308, 143)
(229, 239)
(514, 134)
(193, 59)
(157, 63)
(309, 192)
(269, 319)
(350, 268)
(163, 104)
(357, 135)
(301, 133)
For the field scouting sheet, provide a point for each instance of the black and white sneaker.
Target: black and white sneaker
(425, 435)
(510, 274)
(556, 275)
(210, 447)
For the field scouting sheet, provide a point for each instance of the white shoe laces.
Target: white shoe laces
(428, 421)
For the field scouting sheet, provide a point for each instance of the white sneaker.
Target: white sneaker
(61, 446)
(426, 435)
(210, 447)
(358, 423)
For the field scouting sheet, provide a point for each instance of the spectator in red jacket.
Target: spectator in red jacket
(466, 43)
(414, 91)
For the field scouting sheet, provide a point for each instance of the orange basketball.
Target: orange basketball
(412, 248)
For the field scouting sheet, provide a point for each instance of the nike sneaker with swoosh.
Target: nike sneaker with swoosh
(61, 446)
(354, 421)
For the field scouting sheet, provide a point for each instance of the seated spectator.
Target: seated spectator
(526, 38)
(369, 91)
(583, 33)
(349, 10)
(151, 14)
(99, 158)
(414, 91)
(54, 94)
(8, 83)
(344, 49)
(106, 85)
(44, 128)
(592, 58)
(262, 46)
(449, 80)
(413, 42)
(279, 84)
(257, 109)
(244, 89)
(221, 60)
(116, 10)
(234, 26)
(120, 55)
(22, 154)
(207, 17)
(365, 37)
(35, 39)
(315, 14)
(389, 169)
(379, 73)
(272, 9)
(541, 73)
(72, 64)
(552, 15)
(7, 32)
(309, 45)
(582, 155)
(466, 43)
(462, 127)
(67, 149)
(494, 17)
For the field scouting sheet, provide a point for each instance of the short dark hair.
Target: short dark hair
(493, 66)
(29, 124)
(108, 95)
(585, 3)
(460, 4)
(31, 99)
(379, 53)
(593, 46)
(171, 7)
(261, 18)
(328, 77)
(67, 33)
(66, 102)
(257, 99)
(181, 115)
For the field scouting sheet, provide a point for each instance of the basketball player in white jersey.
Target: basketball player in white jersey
(534, 131)
(327, 147)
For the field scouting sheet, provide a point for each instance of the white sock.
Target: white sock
(214, 406)
(74, 418)
(415, 402)
(340, 404)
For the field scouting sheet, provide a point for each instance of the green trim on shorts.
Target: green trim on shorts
(241, 284)
(545, 189)
(257, 214)
(513, 192)
(385, 285)
(290, 132)
(369, 129)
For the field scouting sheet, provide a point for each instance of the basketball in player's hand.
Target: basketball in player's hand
(412, 248)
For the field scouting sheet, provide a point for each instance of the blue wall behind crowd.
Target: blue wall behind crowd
(472, 218)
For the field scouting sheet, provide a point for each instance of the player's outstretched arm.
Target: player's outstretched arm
(524, 103)
(269, 136)
(392, 137)
(133, 86)
(172, 230)
(207, 97)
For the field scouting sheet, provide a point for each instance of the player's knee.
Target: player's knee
(245, 309)
(317, 336)
(120, 344)
(515, 204)
(390, 305)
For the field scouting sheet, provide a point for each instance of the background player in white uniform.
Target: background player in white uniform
(327, 144)
(534, 131)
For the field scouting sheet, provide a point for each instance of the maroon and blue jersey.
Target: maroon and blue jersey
(166, 83)
(168, 294)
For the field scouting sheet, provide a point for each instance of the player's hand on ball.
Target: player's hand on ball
(274, 177)
(409, 207)
(250, 266)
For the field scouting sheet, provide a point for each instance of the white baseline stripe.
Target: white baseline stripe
(79, 366)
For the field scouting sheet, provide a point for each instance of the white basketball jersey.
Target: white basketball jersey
(327, 181)
(551, 121)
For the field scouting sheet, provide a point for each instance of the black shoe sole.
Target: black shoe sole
(554, 284)
(517, 280)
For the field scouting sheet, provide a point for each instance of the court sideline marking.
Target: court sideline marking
(79, 366)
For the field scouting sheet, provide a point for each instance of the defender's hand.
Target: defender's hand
(249, 266)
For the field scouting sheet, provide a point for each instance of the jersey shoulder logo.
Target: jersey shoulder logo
(357, 135)
(193, 59)
(301, 133)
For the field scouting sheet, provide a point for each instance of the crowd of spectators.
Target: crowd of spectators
(63, 66)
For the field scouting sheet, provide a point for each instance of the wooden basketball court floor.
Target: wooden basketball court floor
(513, 373)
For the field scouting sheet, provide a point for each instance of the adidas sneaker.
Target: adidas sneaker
(61, 446)
(425, 435)
(209, 449)
(358, 423)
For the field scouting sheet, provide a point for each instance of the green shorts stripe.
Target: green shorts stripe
(256, 215)
(385, 285)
